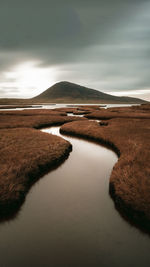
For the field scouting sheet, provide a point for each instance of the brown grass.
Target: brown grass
(137, 112)
(79, 109)
(130, 178)
(26, 154)
(66, 110)
(86, 109)
(38, 121)
(31, 112)
(89, 107)
(140, 108)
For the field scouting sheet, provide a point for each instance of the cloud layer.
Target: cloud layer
(100, 44)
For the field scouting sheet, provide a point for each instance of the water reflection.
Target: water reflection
(74, 115)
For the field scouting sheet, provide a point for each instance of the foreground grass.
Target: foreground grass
(130, 178)
(26, 154)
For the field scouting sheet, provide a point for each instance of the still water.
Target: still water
(52, 106)
(69, 220)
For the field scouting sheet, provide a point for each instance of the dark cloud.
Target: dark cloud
(101, 44)
(61, 24)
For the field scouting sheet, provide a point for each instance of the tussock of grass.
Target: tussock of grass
(26, 154)
(130, 178)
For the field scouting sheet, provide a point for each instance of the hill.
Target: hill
(66, 92)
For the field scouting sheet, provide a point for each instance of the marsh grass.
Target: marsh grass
(26, 154)
(130, 178)
(31, 112)
(33, 121)
(136, 112)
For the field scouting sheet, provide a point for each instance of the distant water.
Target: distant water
(52, 106)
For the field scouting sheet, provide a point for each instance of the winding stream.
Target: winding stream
(69, 219)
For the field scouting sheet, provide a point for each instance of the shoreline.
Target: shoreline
(31, 164)
(133, 216)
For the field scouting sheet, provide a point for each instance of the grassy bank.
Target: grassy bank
(129, 181)
(26, 154)
(106, 114)
(31, 112)
(33, 121)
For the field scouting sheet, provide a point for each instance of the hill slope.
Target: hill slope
(66, 92)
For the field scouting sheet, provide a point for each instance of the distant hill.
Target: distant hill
(66, 92)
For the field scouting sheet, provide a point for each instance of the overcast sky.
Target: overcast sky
(101, 44)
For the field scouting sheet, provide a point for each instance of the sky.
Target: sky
(100, 44)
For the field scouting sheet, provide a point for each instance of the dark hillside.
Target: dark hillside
(64, 92)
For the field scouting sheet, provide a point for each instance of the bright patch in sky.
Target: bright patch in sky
(103, 45)
(29, 78)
